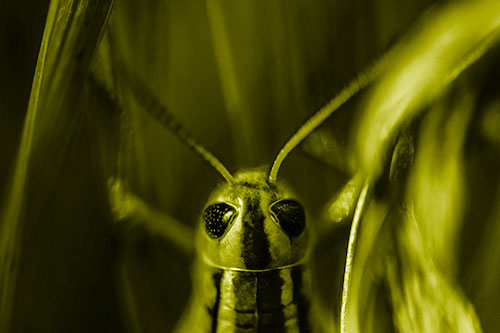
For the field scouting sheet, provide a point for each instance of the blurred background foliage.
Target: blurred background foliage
(243, 76)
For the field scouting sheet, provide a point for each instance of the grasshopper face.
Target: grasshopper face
(251, 225)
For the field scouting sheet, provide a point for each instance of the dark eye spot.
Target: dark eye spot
(217, 217)
(290, 216)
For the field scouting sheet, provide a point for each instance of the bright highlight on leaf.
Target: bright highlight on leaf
(444, 44)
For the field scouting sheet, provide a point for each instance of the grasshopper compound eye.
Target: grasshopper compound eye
(290, 215)
(217, 218)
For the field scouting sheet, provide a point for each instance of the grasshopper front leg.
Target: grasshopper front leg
(126, 207)
(131, 209)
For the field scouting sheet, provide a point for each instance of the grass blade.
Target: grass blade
(71, 34)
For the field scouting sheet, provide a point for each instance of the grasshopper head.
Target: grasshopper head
(251, 225)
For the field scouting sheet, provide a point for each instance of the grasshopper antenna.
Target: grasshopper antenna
(360, 82)
(159, 112)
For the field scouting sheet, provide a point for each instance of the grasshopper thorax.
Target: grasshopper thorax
(251, 225)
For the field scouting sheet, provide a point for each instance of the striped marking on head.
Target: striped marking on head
(251, 226)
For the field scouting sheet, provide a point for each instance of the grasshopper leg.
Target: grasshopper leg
(126, 206)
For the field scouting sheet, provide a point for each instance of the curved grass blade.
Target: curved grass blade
(71, 34)
(444, 45)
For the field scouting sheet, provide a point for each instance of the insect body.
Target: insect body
(252, 274)
(253, 243)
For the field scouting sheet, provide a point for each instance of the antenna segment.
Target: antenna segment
(159, 112)
(360, 82)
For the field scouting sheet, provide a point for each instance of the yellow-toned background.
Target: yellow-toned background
(287, 59)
